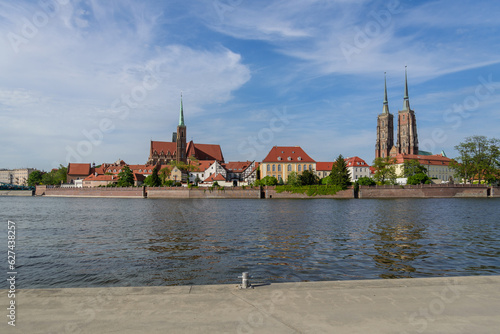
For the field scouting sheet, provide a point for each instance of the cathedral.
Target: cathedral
(179, 149)
(406, 136)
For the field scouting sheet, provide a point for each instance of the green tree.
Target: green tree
(125, 177)
(366, 181)
(479, 158)
(385, 172)
(340, 175)
(164, 174)
(419, 178)
(308, 178)
(269, 181)
(35, 178)
(55, 176)
(155, 179)
(413, 167)
(293, 179)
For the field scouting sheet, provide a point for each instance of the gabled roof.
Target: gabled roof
(78, 169)
(213, 178)
(356, 162)
(163, 146)
(202, 165)
(324, 166)
(437, 159)
(205, 151)
(237, 166)
(287, 154)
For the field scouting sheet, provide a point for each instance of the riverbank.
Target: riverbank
(364, 192)
(22, 193)
(433, 305)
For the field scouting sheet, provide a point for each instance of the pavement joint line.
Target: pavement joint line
(269, 315)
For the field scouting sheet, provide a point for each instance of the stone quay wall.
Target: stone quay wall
(425, 191)
(178, 192)
(16, 192)
(126, 192)
(271, 192)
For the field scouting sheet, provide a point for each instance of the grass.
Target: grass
(309, 190)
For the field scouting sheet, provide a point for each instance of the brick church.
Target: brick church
(406, 136)
(179, 149)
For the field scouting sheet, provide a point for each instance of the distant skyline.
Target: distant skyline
(95, 81)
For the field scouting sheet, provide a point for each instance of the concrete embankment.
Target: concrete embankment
(16, 192)
(430, 305)
(429, 191)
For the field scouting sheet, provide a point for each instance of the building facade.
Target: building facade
(16, 176)
(357, 168)
(282, 160)
(385, 129)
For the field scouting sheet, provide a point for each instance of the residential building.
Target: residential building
(357, 168)
(323, 169)
(282, 160)
(438, 166)
(17, 176)
(78, 171)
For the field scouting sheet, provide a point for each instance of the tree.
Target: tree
(479, 158)
(340, 175)
(366, 181)
(293, 179)
(269, 181)
(413, 167)
(55, 176)
(35, 178)
(164, 175)
(308, 178)
(385, 172)
(126, 177)
(419, 178)
(155, 179)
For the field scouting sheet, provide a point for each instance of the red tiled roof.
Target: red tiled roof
(163, 146)
(436, 159)
(237, 166)
(213, 178)
(356, 162)
(78, 169)
(205, 151)
(287, 153)
(202, 165)
(324, 166)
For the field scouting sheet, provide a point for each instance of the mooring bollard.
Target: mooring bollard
(245, 284)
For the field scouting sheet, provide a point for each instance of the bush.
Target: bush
(366, 181)
(419, 178)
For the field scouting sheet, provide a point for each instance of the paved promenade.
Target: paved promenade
(428, 305)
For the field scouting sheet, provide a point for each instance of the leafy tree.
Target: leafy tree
(164, 174)
(125, 177)
(55, 176)
(280, 182)
(479, 157)
(366, 181)
(169, 183)
(293, 179)
(340, 175)
(385, 172)
(197, 180)
(413, 167)
(35, 178)
(419, 178)
(269, 181)
(155, 179)
(308, 178)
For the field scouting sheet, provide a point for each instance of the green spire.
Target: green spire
(406, 102)
(386, 103)
(181, 115)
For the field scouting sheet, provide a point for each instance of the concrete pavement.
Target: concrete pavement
(426, 305)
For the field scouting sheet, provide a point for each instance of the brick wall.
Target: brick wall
(128, 192)
(272, 193)
(177, 192)
(423, 191)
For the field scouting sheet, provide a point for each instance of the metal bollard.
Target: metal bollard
(245, 284)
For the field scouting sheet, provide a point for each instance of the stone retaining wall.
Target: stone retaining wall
(272, 193)
(176, 192)
(16, 192)
(423, 191)
(127, 192)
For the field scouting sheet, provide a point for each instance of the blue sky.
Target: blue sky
(95, 81)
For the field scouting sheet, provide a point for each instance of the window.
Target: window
(299, 158)
(268, 168)
(289, 158)
(279, 158)
(299, 168)
(274, 168)
(305, 167)
(279, 168)
(289, 167)
(310, 167)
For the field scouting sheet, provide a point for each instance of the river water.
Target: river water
(88, 242)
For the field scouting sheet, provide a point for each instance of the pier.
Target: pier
(418, 305)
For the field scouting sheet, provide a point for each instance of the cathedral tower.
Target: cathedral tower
(385, 129)
(407, 139)
(181, 138)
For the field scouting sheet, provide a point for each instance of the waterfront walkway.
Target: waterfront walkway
(428, 305)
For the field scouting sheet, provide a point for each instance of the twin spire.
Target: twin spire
(181, 114)
(406, 100)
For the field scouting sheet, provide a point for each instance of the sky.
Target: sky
(96, 81)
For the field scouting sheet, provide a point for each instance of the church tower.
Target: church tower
(181, 138)
(385, 129)
(407, 139)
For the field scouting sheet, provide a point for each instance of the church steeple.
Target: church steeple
(386, 103)
(406, 102)
(181, 115)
